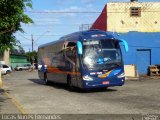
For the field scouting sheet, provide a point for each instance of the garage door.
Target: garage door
(143, 60)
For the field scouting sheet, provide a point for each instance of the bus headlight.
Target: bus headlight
(121, 75)
(87, 78)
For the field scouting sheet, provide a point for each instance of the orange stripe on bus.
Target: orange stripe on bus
(105, 75)
(56, 70)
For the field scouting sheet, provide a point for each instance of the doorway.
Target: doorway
(143, 60)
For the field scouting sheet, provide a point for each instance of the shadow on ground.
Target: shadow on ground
(1, 98)
(65, 87)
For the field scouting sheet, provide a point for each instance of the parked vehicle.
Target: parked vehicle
(35, 66)
(5, 69)
(23, 67)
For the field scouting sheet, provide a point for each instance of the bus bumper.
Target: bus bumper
(103, 83)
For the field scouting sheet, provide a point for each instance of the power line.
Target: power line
(51, 25)
(80, 12)
(62, 12)
(38, 35)
(55, 23)
(24, 37)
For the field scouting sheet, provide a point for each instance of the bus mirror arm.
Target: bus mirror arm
(79, 47)
(124, 43)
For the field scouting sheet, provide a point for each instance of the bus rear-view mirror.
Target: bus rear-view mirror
(79, 47)
(124, 43)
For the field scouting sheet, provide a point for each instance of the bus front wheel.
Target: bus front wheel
(69, 83)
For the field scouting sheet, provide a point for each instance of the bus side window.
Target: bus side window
(54, 60)
(58, 60)
(61, 63)
(70, 50)
(69, 54)
(70, 58)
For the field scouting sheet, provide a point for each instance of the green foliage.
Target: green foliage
(19, 50)
(11, 17)
(7, 40)
(32, 56)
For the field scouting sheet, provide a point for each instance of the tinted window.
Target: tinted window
(101, 54)
(108, 44)
(71, 44)
(5, 66)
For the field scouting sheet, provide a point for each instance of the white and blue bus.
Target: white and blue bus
(87, 59)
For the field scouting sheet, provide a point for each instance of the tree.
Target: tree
(17, 50)
(11, 17)
(32, 56)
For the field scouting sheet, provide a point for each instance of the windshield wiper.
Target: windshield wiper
(116, 64)
(113, 65)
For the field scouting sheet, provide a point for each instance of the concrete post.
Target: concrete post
(1, 84)
(6, 57)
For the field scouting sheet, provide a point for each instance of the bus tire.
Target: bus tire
(105, 88)
(8, 72)
(46, 79)
(69, 83)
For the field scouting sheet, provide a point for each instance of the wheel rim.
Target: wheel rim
(69, 83)
(70, 86)
(8, 72)
(46, 80)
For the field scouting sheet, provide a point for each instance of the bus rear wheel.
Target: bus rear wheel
(46, 79)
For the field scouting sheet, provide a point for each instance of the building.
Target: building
(4, 57)
(13, 59)
(18, 60)
(139, 24)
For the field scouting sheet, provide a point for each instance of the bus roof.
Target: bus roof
(94, 33)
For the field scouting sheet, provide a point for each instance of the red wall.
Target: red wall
(101, 22)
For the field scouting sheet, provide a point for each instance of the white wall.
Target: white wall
(119, 19)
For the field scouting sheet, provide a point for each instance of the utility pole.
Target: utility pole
(29, 55)
(32, 41)
(32, 50)
(1, 83)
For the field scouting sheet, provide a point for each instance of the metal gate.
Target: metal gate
(143, 60)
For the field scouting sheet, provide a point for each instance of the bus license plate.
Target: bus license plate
(105, 82)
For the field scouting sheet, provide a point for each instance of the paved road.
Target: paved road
(135, 97)
(6, 105)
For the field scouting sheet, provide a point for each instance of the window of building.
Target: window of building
(135, 11)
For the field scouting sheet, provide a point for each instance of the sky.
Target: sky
(56, 18)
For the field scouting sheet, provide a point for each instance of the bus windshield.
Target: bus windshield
(101, 54)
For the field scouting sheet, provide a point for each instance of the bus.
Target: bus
(86, 59)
